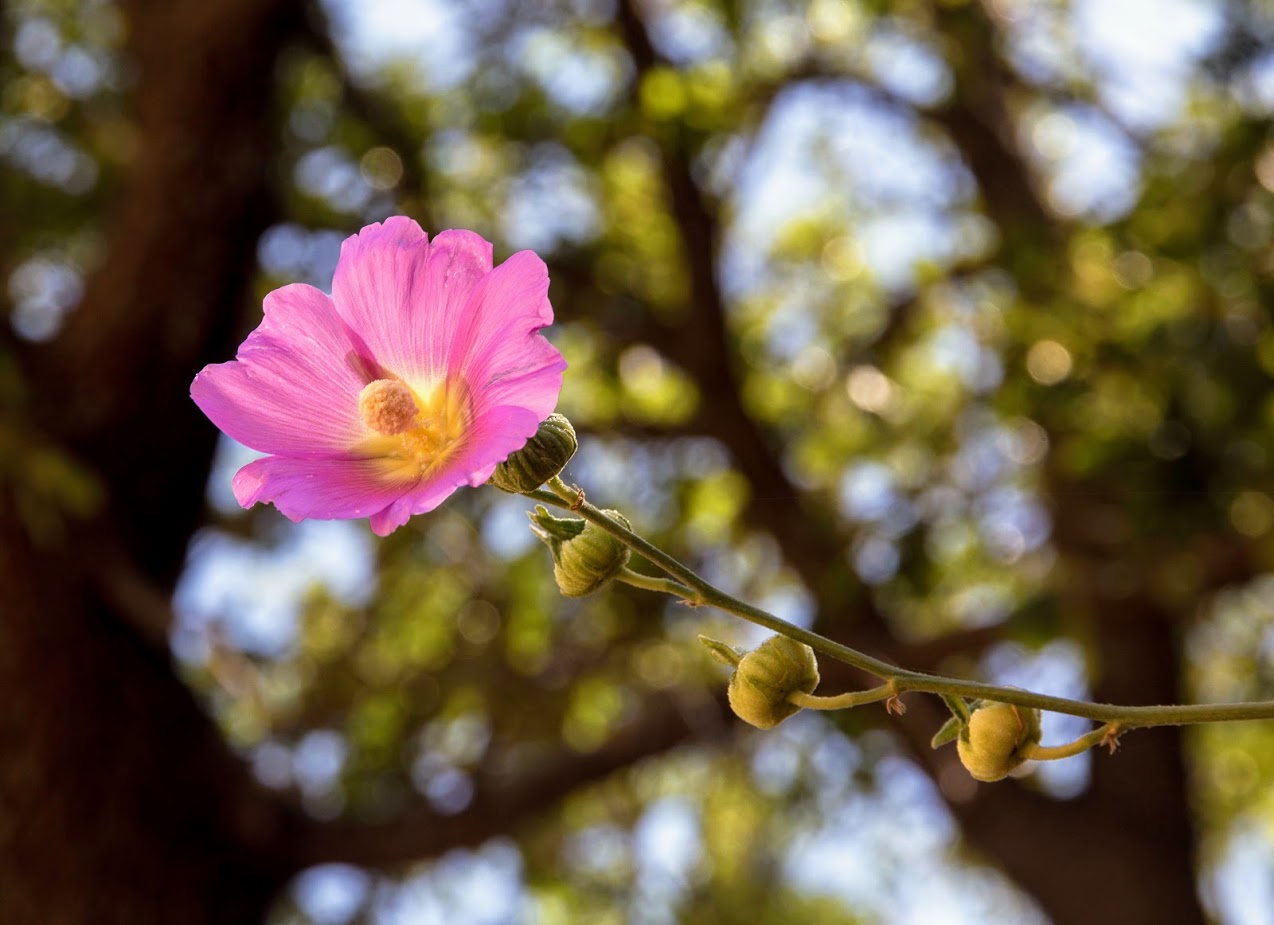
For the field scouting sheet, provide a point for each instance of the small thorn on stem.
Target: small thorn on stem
(579, 498)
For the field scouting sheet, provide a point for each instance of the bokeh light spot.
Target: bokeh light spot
(1048, 362)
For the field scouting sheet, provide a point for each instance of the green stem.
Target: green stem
(1080, 745)
(655, 583)
(702, 592)
(843, 701)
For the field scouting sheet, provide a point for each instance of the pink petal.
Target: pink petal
(500, 354)
(294, 388)
(536, 388)
(405, 296)
(325, 489)
(492, 436)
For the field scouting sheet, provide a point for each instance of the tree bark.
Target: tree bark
(119, 800)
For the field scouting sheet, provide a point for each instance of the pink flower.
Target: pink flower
(420, 373)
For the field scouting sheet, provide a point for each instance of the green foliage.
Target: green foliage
(1042, 419)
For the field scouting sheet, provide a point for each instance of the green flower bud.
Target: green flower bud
(996, 739)
(585, 556)
(766, 676)
(542, 457)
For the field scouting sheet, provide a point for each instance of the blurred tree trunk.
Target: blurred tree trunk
(119, 800)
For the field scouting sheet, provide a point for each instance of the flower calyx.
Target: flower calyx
(767, 676)
(544, 456)
(997, 739)
(585, 557)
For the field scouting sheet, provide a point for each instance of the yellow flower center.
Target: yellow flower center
(413, 431)
(387, 407)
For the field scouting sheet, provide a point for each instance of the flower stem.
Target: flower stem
(1080, 745)
(655, 583)
(843, 701)
(701, 592)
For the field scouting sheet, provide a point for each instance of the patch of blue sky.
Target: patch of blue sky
(1093, 167)
(331, 894)
(37, 43)
(77, 71)
(897, 240)
(549, 203)
(980, 604)
(867, 491)
(581, 78)
(297, 254)
(667, 846)
(875, 558)
(252, 594)
(43, 289)
(1141, 52)
(1140, 56)
(825, 142)
(1239, 888)
(1041, 45)
(506, 532)
(1144, 52)
(907, 66)
(687, 33)
(46, 154)
(598, 850)
(331, 174)
(1010, 524)
(317, 761)
(1006, 508)
(953, 349)
(900, 838)
(482, 887)
(790, 602)
(608, 466)
(981, 462)
(880, 147)
(434, 35)
(791, 326)
(776, 763)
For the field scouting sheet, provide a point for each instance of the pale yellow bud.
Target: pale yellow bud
(997, 738)
(765, 677)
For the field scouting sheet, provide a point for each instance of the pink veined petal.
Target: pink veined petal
(294, 388)
(492, 436)
(506, 310)
(501, 356)
(536, 388)
(324, 489)
(405, 295)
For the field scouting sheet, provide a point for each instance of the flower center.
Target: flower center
(387, 407)
(413, 431)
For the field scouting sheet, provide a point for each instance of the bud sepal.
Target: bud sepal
(585, 557)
